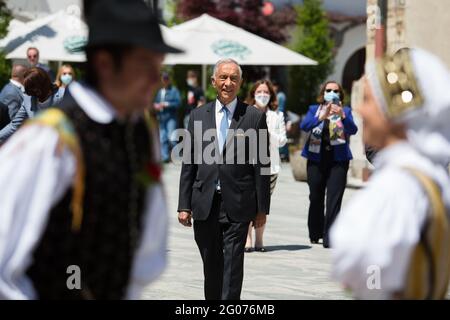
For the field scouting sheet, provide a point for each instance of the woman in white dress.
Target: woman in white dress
(263, 97)
(391, 241)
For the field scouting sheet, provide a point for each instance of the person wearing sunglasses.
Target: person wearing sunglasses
(329, 125)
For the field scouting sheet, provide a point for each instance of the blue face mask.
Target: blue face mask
(331, 96)
(66, 79)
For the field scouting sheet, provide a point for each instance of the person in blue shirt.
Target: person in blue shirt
(166, 104)
(330, 125)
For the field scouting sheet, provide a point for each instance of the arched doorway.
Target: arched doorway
(354, 69)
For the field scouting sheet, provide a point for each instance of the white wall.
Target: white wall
(30, 10)
(427, 25)
(354, 39)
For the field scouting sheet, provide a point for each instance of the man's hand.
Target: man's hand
(260, 220)
(184, 217)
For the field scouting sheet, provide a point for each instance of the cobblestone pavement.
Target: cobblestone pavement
(291, 269)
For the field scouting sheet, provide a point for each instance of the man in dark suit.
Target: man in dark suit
(223, 196)
(12, 93)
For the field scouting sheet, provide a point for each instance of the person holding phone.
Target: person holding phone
(329, 125)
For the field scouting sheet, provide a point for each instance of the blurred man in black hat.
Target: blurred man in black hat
(85, 217)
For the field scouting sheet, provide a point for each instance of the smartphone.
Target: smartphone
(336, 101)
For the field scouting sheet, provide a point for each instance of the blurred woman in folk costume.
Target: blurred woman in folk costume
(392, 239)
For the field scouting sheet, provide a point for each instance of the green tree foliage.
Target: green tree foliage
(313, 40)
(170, 9)
(5, 65)
(246, 14)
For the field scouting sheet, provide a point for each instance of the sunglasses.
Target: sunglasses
(32, 56)
(329, 90)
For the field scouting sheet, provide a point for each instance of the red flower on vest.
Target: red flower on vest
(150, 174)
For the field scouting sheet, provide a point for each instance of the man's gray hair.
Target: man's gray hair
(226, 60)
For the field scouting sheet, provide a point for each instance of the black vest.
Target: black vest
(112, 211)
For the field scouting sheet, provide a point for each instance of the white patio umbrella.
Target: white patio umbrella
(59, 37)
(206, 39)
(18, 29)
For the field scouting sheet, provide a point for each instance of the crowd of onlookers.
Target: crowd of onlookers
(32, 87)
(170, 107)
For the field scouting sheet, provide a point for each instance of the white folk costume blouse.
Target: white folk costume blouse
(377, 231)
(377, 236)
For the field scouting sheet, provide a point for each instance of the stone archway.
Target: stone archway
(353, 39)
(353, 69)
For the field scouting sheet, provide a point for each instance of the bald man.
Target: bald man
(12, 93)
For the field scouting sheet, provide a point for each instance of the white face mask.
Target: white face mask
(190, 82)
(66, 79)
(262, 99)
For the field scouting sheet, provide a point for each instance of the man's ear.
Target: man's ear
(213, 82)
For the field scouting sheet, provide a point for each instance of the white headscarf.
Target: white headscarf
(428, 127)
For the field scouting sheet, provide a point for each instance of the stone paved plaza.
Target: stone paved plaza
(291, 268)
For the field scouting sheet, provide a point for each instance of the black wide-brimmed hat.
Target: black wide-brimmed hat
(127, 22)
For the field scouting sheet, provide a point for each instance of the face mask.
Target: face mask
(190, 82)
(66, 79)
(331, 96)
(262, 99)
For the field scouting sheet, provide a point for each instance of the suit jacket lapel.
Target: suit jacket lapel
(211, 121)
(211, 116)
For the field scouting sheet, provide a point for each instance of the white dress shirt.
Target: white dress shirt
(219, 114)
(45, 175)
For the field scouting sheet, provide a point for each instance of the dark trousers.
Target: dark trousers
(221, 243)
(331, 176)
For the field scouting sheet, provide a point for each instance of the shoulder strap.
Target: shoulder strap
(58, 120)
(429, 270)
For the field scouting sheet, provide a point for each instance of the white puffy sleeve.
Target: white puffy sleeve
(33, 177)
(151, 257)
(374, 235)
